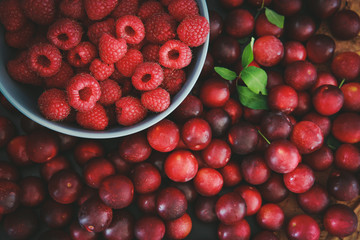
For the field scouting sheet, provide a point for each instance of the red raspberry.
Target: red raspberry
(193, 30)
(139, 45)
(11, 15)
(160, 28)
(147, 76)
(96, 30)
(83, 92)
(174, 79)
(40, 11)
(111, 50)
(165, 2)
(175, 54)
(19, 70)
(65, 33)
(126, 7)
(82, 54)
(110, 92)
(45, 59)
(117, 76)
(181, 9)
(126, 86)
(60, 79)
(53, 104)
(21, 38)
(151, 52)
(72, 9)
(129, 111)
(97, 10)
(101, 70)
(127, 65)
(149, 8)
(157, 100)
(130, 28)
(95, 119)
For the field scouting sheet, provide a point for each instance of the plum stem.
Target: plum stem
(342, 82)
(262, 135)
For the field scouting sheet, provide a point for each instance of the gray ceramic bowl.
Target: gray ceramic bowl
(25, 99)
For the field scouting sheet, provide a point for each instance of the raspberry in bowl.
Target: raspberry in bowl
(96, 71)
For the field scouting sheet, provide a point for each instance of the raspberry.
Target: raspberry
(129, 111)
(72, 9)
(19, 70)
(116, 75)
(147, 76)
(96, 30)
(97, 10)
(165, 2)
(45, 59)
(151, 52)
(110, 92)
(157, 100)
(160, 28)
(101, 70)
(111, 50)
(126, 7)
(21, 38)
(193, 30)
(95, 119)
(83, 92)
(181, 9)
(60, 79)
(139, 45)
(11, 15)
(126, 86)
(82, 54)
(65, 33)
(53, 105)
(175, 54)
(149, 8)
(130, 28)
(40, 11)
(173, 80)
(127, 65)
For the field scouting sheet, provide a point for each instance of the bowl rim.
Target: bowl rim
(118, 131)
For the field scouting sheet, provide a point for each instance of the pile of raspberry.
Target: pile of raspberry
(102, 62)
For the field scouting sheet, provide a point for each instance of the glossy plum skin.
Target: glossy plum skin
(219, 121)
(116, 191)
(243, 138)
(239, 230)
(42, 145)
(56, 215)
(307, 137)
(263, 27)
(324, 8)
(21, 224)
(293, 51)
(300, 180)
(301, 75)
(320, 48)
(343, 185)
(346, 127)
(345, 24)
(121, 226)
(149, 227)
(65, 186)
(320, 160)
(346, 65)
(196, 134)
(230, 208)
(216, 24)
(217, 154)
(300, 28)
(239, 23)
(252, 198)
(270, 217)
(328, 100)
(181, 166)
(283, 98)
(226, 50)
(351, 93)
(254, 169)
(340, 220)
(205, 209)
(163, 136)
(179, 228)
(268, 51)
(135, 148)
(274, 190)
(208, 182)
(303, 227)
(7, 131)
(347, 157)
(171, 203)
(286, 7)
(146, 178)
(96, 169)
(214, 92)
(315, 200)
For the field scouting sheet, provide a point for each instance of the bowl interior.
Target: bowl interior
(24, 98)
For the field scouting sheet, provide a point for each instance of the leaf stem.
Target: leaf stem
(342, 82)
(262, 135)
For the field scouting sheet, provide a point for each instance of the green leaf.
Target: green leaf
(332, 142)
(255, 78)
(250, 99)
(225, 73)
(275, 18)
(248, 55)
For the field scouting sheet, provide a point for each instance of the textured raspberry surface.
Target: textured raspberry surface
(149, 8)
(117, 76)
(126, 86)
(95, 119)
(45, 59)
(111, 50)
(110, 92)
(157, 100)
(53, 104)
(101, 70)
(11, 15)
(127, 65)
(165, 2)
(151, 52)
(21, 38)
(174, 79)
(193, 30)
(65, 33)
(129, 111)
(96, 30)
(175, 54)
(60, 79)
(72, 8)
(130, 28)
(19, 70)
(147, 76)
(181, 9)
(40, 11)
(83, 92)
(82, 54)
(97, 10)
(160, 28)
(126, 7)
